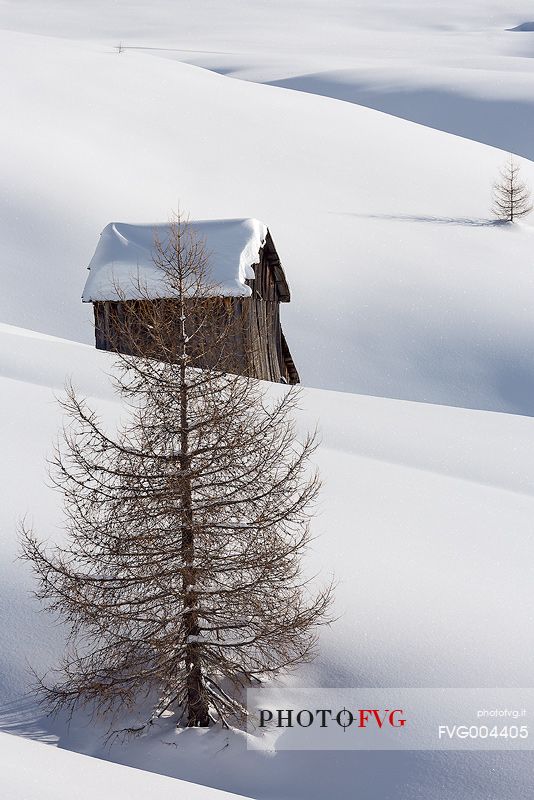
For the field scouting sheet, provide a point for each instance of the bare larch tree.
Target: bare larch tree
(180, 576)
(511, 196)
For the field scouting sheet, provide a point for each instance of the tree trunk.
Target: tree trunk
(196, 705)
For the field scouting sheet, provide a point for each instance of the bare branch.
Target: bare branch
(180, 579)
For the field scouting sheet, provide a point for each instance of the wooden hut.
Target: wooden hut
(244, 265)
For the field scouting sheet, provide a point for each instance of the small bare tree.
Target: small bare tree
(180, 578)
(511, 196)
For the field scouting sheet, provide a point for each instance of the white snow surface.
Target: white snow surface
(461, 66)
(402, 288)
(124, 266)
(31, 771)
(425, 520)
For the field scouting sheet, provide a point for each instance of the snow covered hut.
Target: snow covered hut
(244, 265)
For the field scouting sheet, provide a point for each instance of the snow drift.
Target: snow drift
(425, 520)
(401, 286)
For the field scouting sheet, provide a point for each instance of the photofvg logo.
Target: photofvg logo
(324, 717)
(391, 719)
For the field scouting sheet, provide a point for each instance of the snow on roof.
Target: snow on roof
(123, 258)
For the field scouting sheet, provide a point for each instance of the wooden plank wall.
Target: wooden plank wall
(255, 347)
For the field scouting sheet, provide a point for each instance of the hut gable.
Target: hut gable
(245, 268)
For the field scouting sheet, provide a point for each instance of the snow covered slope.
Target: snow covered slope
(32, 772)
(400, 285)
(463, 67)
(425, 519)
